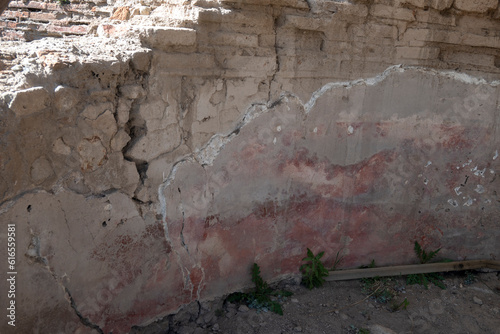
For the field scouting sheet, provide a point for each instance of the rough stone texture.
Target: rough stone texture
(146, 167)
(477, 6)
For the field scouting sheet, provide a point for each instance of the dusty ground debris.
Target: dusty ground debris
(345, 307)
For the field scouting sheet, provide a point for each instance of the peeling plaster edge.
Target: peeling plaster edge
(206, 155)
(400, 68)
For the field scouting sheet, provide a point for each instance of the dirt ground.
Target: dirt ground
(469, 304)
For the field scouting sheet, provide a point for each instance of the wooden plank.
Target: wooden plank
(340, 275)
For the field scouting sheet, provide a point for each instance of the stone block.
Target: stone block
(155, 143)
(428, 16)
(106, 124)
(119, 141)
(186, 64)
(299, 4)
(123, 111)
(476, 6)
(348, 8)
(307, 23)
(92, 154)
(60, 147)
(161, 37)
(479, 40)
(132, 91)
(408, 52)
(261, 20)
(29, 101)
(15, 14)
(113, 30)
(92, 111)
(41, 170)
(41, 16)
(392, 12)
(436, 4)
(249, 65)
(432, 35)
(71, 30)
(234, 39)
(469, 58)
(121, 13)
(116, 174)
(65, 98)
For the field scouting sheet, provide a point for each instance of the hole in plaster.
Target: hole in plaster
(104, 224)
(28, 208)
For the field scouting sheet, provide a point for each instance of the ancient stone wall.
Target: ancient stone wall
(147, 163)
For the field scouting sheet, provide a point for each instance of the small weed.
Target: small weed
(262, 298)
(355, 330)
(470, 278)
(425, 279)
(338, 259)
(403, 305)
(313, 271)
(378, 289)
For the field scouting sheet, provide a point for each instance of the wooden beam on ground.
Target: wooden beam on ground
(340, 275)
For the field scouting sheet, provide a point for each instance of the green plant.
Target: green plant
(403, 305)
(378, 289)
(470, 278)
(313, 271)
(355, 330)
(425, 279)
(262, 297)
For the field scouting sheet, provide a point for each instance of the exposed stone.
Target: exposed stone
(116, 173)
(123, 111)
(60, 147)
(121, 13)
(477, 6)
(161, 37)
(155, 143)
(106, 124)
(41, 170)
(29, 101)
(120, 140)
(132, 91)
(92, 154)
(92, 111)
(65, 98)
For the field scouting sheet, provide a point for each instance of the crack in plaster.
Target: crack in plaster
(461, 77)
(206, 155)
(83, 320)
(34, 252)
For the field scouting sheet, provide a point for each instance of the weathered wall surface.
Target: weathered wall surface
(149, 163)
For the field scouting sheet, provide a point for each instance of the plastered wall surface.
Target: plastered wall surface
(149, 161)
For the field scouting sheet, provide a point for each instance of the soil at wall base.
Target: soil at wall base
(469, 304)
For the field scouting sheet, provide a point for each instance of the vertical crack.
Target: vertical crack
(276, 17)
(83, 320)
(183, 242)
